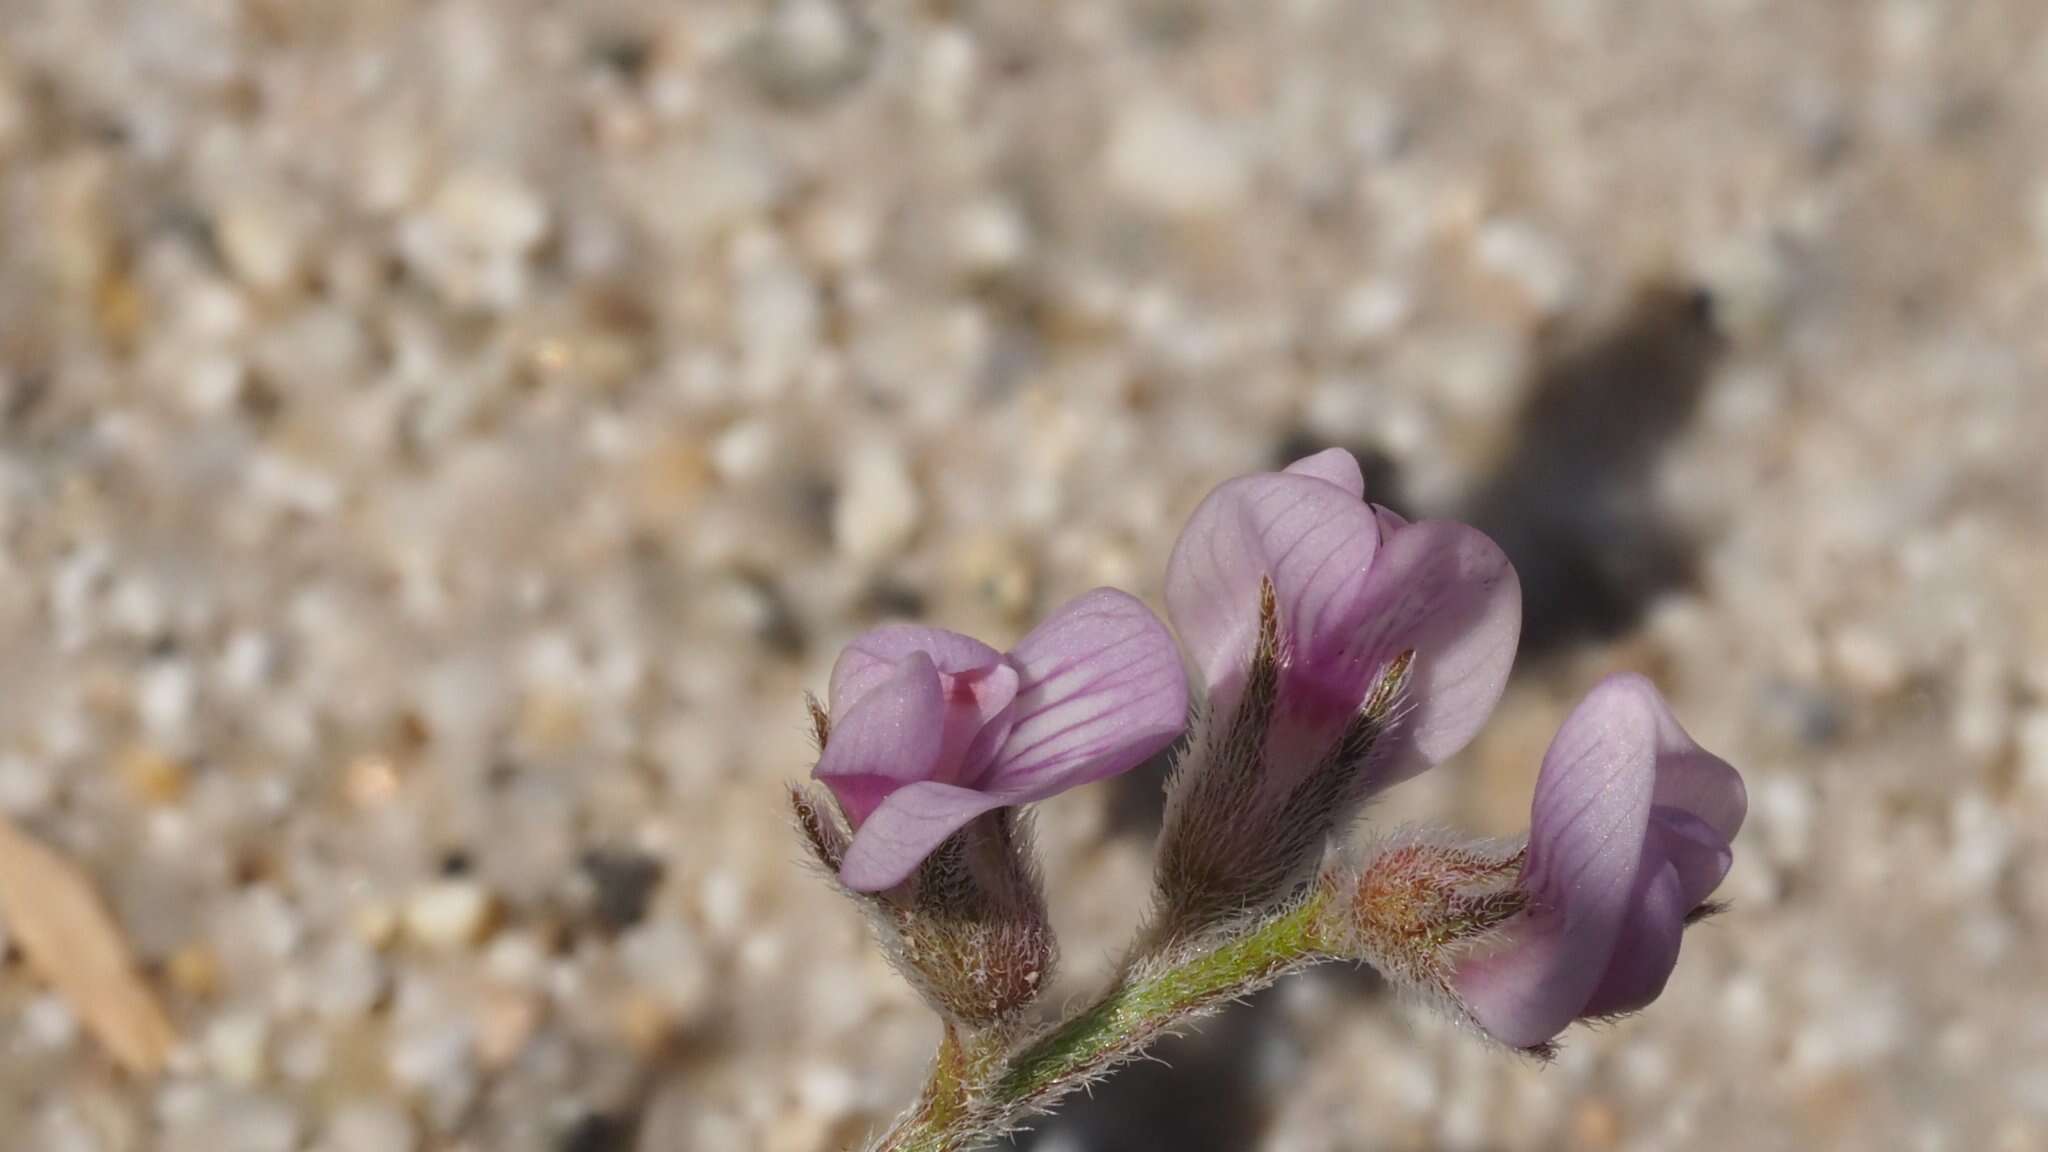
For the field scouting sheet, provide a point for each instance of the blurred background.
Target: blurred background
(441, 442)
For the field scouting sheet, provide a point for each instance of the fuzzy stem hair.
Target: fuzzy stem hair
(978, 1096)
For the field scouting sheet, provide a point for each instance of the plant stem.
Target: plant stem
(1154, 997)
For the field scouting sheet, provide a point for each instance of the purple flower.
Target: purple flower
(1357, 589)
(930, 728)
(1630, 832)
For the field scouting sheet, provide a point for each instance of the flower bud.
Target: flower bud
(1415, 906)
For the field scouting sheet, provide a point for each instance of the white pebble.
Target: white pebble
(1981, 843)
(14, 117)
(262, 242)
(723, 900)
(249, 660)
(1982, 721)
(213, 384)
(1868, 661)
(779, 322)
(879, 504)
(990, 237)
(448, 914)
(749, 451)
(1785, 809)
(237, 1047)
(256, 1124)
(49, 1023)
(135, 604)
(165, 699)
(828, 1090)
(2033, 742)
(432, 1051)
(27, 786)
(1371, 311)
(369, 1126)
(349, 979)
(663, 958)
(491, 212)
(946, 73)
(1530, 260)
(810, 48)
(1165, 157)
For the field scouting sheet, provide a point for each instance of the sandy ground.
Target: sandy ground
(440, 443)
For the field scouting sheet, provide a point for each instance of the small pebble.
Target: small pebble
(449, 914)
(2033, 744)
(665, 959)
(624, 882)
(810, 50)
(491, 212)
(152, 776)
(1166, 157)
(263, 243)
(369, 1126)
(237, 1047)
(990, 237)
(879, 504)
(506, 1025)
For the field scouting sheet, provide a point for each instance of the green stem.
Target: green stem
(1152, 999)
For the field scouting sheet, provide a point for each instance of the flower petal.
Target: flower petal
(1694, 780)
(891, 735)
(1699, 854)
(908, 826)
(1102, 689)
(1588, 824)
(1684, 861)
(1332, 466)
(978, 717)
(1447, 593)
(1314, 539)
(874, 654)
(1646, 952)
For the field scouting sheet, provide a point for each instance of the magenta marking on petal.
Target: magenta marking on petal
(874, 654)
(978, 716)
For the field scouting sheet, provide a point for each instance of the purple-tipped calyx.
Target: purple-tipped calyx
(1629, 834)
(929, 728)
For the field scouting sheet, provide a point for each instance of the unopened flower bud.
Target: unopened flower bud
(1414, 906)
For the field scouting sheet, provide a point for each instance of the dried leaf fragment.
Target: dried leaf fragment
(71, 940)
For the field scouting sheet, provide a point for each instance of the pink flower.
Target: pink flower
(930, 728)
(1357, 589)
(1630, 831)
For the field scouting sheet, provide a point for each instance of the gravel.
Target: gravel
(440, 443)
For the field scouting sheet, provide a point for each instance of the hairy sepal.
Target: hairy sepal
(1244, 836)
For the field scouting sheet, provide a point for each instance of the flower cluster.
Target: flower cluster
(1339, 650)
